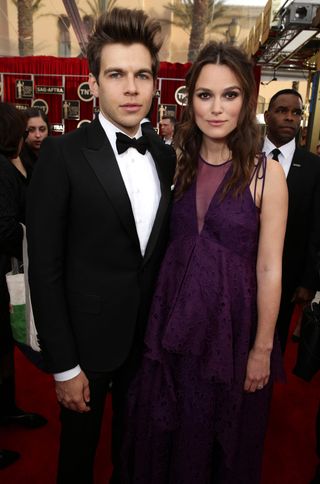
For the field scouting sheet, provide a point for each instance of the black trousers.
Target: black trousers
(80, 432)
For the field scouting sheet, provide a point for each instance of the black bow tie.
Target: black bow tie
(124, 142)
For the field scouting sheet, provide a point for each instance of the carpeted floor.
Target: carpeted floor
(290, 446)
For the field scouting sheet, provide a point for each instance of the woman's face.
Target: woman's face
(37, 132)
(217, 101)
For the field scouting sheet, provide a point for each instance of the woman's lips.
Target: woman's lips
(216, 122)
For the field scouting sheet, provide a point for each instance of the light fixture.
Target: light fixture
(298, 41)
(300, 13)
(233, 31)
(283, 47)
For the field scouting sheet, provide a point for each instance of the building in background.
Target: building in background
(53, 34)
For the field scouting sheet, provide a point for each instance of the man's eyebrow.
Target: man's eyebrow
(113, 69)
(147, 70)
(121, 70)
(287, 108)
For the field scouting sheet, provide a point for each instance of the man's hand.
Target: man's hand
(74, 394)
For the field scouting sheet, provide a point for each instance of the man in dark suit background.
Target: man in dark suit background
(167, 128)
(97, 223)
(300, 279)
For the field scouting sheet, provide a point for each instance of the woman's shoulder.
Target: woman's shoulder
(263, 166)
(274, 169)
(275, 180)
(268, 178)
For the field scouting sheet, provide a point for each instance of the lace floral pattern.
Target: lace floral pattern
(189, 418)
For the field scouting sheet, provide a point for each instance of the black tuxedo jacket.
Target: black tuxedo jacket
(302, 240)
(90, 285)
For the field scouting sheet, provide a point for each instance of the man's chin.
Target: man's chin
(284, 141)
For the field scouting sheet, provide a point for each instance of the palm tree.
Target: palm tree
(96, 8)
(200, 18)
(198, 29)
(26, 9)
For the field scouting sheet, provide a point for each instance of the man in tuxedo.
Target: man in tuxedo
(97, 225)
(300, 279)
(167, 127)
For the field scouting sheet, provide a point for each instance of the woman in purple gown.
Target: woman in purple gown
(197, 411)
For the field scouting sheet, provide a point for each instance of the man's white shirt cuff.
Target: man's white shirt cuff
(67, 375)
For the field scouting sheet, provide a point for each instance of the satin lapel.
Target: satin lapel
(164, 161)
(294, 174)
(100, 156)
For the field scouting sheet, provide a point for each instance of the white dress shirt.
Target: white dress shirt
(143, 187)
(286, 153)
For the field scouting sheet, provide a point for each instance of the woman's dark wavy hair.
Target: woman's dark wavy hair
(12, 129)
(243, 141)
(124, 26)
(37, 113)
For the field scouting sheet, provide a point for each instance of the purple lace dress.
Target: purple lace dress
(189, 420)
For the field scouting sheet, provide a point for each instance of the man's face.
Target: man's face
(125, 85)
(166, 128)
(283, 119)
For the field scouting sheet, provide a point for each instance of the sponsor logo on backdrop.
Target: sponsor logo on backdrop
(40, 104)
(49, 90)
(24, 89)
(57, 128)
(84, 92)
(71, 109)
(181, 96)
(83, 121)
(22, 107)
(166, 110)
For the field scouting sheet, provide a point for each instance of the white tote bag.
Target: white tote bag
(22, 321)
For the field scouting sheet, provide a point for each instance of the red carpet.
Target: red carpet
(290, 447)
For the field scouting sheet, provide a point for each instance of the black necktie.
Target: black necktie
(275, 154)
(124, 142)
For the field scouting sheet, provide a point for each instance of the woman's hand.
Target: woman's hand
(258, 370)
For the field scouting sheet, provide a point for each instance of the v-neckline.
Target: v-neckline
(212, 201)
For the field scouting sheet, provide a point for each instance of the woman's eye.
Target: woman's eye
(231, 94)
(204, 95)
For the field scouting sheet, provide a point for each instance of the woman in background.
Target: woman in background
(37, 131)
(13, 185)
(198, 408)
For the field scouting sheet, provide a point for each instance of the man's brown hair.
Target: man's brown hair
(124, 26)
